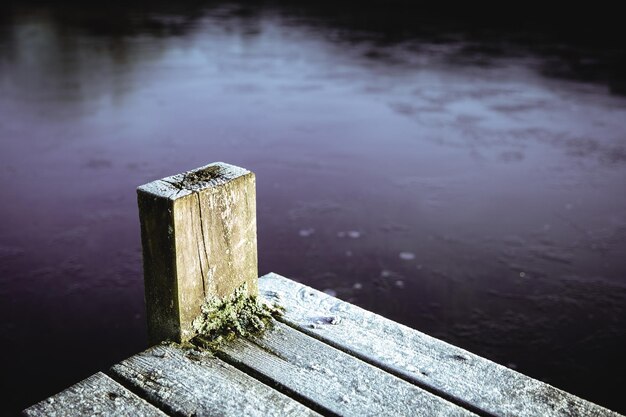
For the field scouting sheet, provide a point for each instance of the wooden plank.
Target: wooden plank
(198, 232)
(330, 380)
(97, 395)
(197, 383)
(467, 379)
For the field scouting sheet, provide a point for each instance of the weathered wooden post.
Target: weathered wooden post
(198, 232)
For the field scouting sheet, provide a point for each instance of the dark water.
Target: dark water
(464, 179)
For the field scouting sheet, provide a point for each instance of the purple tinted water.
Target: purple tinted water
(468, 195)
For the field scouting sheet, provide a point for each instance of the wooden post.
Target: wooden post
(198, 232)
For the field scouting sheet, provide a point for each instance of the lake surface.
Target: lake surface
(470, 184)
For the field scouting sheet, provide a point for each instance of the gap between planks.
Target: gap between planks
(186, 382)
(333, 381)
(446, 370)
(95, 395)
(353, 338)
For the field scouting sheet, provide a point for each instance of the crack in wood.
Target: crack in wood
(206, 258)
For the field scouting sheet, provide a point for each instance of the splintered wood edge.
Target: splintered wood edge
(454, 373)
(96, 395)
(171, 187)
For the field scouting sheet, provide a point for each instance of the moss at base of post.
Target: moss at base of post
(239, 314)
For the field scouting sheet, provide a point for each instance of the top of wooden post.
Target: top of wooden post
(198, 232)
(181, 185)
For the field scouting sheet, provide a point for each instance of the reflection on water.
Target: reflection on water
(470, 185)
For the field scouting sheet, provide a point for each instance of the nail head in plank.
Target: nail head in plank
(322, 376)
(97, 395)
(455, 373)
(197, 383)
(198, 232)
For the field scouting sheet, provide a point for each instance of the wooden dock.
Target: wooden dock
(323, 356)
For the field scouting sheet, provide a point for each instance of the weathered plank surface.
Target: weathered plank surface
(97, 395)
(198, 232)
(197, 383)
(428, 362)
(329, 379)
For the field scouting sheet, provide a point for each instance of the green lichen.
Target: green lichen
(240, 314)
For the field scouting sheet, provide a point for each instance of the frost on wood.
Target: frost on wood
(97, 395)
(239, 314)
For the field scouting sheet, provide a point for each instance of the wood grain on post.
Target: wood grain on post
(198, 232)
